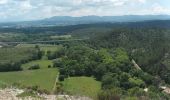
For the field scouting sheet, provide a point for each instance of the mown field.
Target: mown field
(44, 78)
(10, 36)
(61, 37)
(42, 63)
(43, 47)
(87, 86)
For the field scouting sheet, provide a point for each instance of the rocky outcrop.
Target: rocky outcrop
(11, 94)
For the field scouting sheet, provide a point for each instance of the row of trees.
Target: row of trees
(11, 66)
(13, 62)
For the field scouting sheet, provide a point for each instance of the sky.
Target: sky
(20, 10)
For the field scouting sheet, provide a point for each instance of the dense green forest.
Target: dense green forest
(113, 67)
(107, 56)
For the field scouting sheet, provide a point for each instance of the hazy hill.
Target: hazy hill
(68, 20)
(73, 28)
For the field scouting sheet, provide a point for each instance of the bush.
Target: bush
(109, 81)
(131, 98)
(61, 77)
(11, 66)
(59, 88)
(113, 94)
(33, 88)
(49, 66)
(42, 91)
(136, 91)
(34, 67)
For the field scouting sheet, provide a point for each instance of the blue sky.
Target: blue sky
(19, 10)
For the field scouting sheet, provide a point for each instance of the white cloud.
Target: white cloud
(158, 9)
(25, 5)
(35, 9)
(142, 1)
(119, 3)
(3, 2)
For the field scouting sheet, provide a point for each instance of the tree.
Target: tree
(136, 91)
(105, 56)
(123, 78)
(109, 81)
(58, 63)
(110, 94)
(100, 70)
(33, 67)
(135, 82)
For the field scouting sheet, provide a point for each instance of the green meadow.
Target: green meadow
(44, 78)
(86, 86)
(43, 47)
(42, 63)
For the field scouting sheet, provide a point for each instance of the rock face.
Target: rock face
(68, 97)
(165, 89)
(11, 94)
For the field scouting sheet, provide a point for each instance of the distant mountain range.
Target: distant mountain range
(67, 20)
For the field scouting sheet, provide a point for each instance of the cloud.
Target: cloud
(36, 9)
(25, 5)
(142, 1)
(3, 2)
(158, 9)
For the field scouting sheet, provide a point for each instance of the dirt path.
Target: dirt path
(56, 81)
(136, 65)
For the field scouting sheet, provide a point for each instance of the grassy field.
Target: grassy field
(61, 37)
(44, 78)
(16, 54)
(9, 36)
(43, 47)
(42, 63)
(82, 86)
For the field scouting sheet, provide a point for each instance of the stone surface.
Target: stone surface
(11, 94)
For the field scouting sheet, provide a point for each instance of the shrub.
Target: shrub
(34, 67)
(42, 91)
(136, 91)
(59, 88)
(49, 66)
(61, 77)
(11, 66)
(113, 94)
